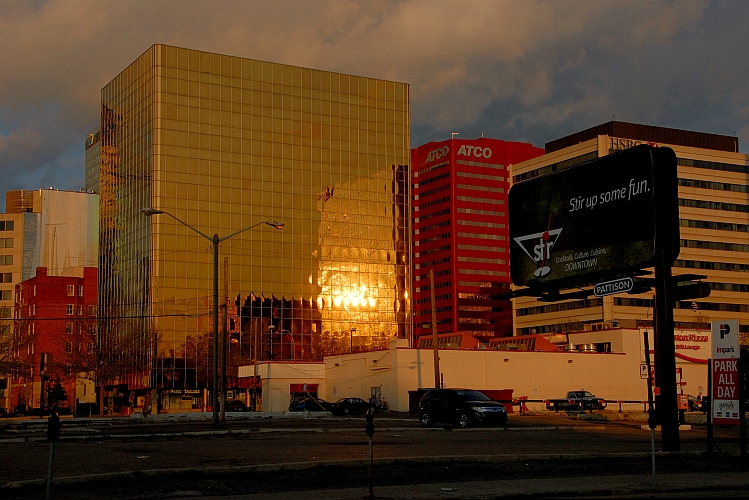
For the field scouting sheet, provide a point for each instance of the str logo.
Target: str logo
(538, 247)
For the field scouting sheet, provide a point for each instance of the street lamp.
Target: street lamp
(215, 240)
(351, 340)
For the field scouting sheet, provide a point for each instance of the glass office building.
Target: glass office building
(223, 143)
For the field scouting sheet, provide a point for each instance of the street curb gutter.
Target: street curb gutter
(265, 468)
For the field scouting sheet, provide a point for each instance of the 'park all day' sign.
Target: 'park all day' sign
(725, 387)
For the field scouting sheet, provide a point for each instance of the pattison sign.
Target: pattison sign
(595, 220)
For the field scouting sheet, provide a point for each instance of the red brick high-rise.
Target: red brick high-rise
(460, 232)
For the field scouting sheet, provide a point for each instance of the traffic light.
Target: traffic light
(369, 426)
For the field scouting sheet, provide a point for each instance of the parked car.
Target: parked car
(574, 400)
(309, 404)
(345, 406)
(236, 405)
(697, 404)
(460, 407)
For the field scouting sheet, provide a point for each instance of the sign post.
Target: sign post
(724, 393)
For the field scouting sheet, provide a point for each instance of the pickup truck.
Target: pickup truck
(573, 401)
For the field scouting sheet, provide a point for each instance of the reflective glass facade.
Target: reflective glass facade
(223, 143)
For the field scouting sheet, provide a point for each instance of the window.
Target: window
(80, 291)
(7, 225)
(6, 277)
(80, 310)
(71, 290)
(70, 309)
(68, 347)
(6, 242)
(34, 290)
(90, 348)
(69, 328)
(6, 260)
(68, 369)
(6, 295)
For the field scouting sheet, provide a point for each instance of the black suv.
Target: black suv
(461, 407)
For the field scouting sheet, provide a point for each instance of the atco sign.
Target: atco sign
(477, 151)
(438, 153)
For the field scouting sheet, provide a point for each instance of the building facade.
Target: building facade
(57, 230)
(714, 230)
(460, 234)
(222, 143)
(57, 314)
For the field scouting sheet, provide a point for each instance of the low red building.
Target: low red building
(57, 317)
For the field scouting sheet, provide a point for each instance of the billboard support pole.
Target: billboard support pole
(435, 342)
(666, 354)
(709, 438)
(742, 410)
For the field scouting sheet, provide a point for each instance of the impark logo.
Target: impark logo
(538, 247)
(724, 330)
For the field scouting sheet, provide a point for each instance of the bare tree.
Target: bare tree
(15, 340)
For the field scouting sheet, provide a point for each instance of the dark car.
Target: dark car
(696, 404)
(460, 407)
(345, 406)
(309, 404)
(236, 405)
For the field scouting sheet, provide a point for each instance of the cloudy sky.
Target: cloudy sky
(525, 70)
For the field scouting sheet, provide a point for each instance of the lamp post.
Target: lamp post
(351, 340)
(215, 240)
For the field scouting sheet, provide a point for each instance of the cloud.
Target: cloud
(530, 70)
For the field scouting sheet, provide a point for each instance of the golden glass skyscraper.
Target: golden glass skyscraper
(222, 143)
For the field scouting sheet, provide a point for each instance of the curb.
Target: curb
(265, 468)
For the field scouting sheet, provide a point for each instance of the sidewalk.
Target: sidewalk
(570, 486)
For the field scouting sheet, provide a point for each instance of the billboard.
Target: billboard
(595, 220)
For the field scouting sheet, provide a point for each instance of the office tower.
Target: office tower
(222, 143)
(460, 234)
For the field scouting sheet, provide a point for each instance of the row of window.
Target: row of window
(436, 297)
(426, 288)
(715, 245)
(481, 188)
(713, 205)
(482, 271)
(433, 250)
(425, 312)
(433, 226)
(433, 238)
(718, 186)
(482, 248)
(482, 236)
(431, 169)
(712, 165)
(481, 176)
(444, 187)
(433, 214)
(490, 201)
(425, 276)
(433, 202)
(480, 212)
(434, 262)
(478, 164)
(480, 259)
(559, 306)
(479, 223)
(686, 304)
(70, 310)
(436, 178)
(718, 226)
(713, 266)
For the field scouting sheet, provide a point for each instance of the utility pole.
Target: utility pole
(435, 342)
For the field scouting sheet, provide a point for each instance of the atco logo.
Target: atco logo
(476, 151)
(438, 153)
(538, 247)
(724, 330)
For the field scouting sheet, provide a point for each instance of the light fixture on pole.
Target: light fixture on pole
(351, 340)
(215, 240)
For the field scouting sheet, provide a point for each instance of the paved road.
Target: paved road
(120, 446)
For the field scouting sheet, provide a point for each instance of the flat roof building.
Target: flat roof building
(714, 230)
(222, 143)
(461, 235)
